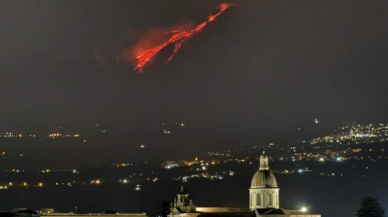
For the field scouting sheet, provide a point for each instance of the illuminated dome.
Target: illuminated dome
(264, 191)
(264, 178)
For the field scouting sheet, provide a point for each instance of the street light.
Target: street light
(303, 209)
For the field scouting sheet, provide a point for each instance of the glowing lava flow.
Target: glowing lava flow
(177, 39)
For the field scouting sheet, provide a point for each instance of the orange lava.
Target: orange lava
(177, 39)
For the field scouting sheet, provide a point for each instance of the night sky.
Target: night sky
(257, 68)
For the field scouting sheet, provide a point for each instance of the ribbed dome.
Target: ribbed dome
(264, 178)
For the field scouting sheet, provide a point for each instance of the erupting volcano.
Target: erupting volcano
(177, 38)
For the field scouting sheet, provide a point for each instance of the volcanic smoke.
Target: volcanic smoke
(177, 38)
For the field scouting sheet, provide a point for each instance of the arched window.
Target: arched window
(258, 199)
(269, 199)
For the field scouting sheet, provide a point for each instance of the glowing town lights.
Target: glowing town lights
(339, 159)
(177, 38)
(125, 181)
(138, 187)
(25, 184)
(303, 209)
(40, 184)
(10, 184)
(321, 159)
(54, 135)
(182, 124)
(203, 168)
(97, 182)
(142, 146)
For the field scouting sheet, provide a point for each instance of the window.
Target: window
(269, 199)
(258, 199)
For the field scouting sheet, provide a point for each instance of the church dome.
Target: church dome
(264, 178)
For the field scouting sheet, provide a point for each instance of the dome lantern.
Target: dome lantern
(263, 162)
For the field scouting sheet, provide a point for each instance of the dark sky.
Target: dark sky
(259, 66)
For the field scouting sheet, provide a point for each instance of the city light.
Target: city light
(303, 209)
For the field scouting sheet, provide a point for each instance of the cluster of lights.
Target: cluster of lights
(54, 135)
(11, 135)
(95, 182)
(203, 175)
(180, 124)
(16, 171)
(121, 165)
(51, 135)
(67, 184)
(125, 181)
(57, 135)
(357, 133)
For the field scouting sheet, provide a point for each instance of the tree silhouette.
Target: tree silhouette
(370, 207)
